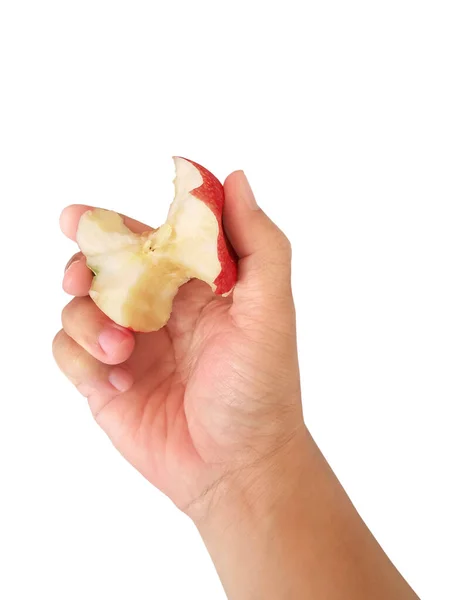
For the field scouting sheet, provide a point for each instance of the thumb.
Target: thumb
(264, 251)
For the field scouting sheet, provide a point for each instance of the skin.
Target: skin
(208, 409)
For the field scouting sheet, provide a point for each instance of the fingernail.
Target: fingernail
(248, 194)
(120, 379)
(72, 261)
(111, 338)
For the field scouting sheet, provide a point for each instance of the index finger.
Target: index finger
(70, 217)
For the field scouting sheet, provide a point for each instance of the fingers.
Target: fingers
(71, 215)
(87, 373)
(263, 249)
(77, 276)
(90, 345)
(91, 329)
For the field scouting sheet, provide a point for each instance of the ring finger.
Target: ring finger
(85, 323)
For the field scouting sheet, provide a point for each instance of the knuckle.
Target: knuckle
(58, 342)
(280, 252)
(77, 256)
(284, 244)
(66, 313)
(68, 355)
(72, 311)
(279, 245)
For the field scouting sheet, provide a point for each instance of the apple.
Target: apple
(136, 276)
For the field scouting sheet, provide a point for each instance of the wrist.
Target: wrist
(254, 493)
(284, 528)
(250, 523)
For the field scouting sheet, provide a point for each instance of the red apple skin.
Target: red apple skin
(211, 193)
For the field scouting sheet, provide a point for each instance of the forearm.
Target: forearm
(290, 531)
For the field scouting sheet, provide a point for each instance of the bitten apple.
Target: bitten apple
(136, 276)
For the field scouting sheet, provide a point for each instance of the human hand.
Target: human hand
(208, 410)
(217, 389)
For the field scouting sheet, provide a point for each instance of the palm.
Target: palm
(176, 419)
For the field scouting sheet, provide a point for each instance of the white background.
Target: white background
(339, 114)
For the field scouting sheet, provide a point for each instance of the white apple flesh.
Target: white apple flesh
(136, 276)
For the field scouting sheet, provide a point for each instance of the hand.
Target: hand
(208, 410)
(213, 392)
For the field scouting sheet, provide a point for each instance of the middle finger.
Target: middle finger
(77, 276)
